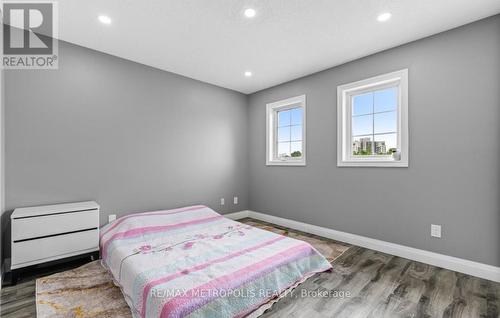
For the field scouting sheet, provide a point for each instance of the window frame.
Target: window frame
(344, 120)
(272, 110)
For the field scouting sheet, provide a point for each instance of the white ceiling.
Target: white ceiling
(212, 41)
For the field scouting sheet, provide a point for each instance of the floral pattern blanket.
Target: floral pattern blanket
(194, 262)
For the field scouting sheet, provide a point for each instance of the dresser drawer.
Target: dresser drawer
(41, 250)
(41, 226)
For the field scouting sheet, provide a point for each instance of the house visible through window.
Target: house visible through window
(286, 132)
(373, 122)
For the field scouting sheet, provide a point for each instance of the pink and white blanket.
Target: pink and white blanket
(194, 262)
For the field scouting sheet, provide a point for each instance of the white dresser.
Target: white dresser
(46, 233)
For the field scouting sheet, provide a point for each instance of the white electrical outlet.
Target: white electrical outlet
(222, 202)
(111, 218)
(436, 230)
(235, 200)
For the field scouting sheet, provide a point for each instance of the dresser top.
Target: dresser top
(53, 209)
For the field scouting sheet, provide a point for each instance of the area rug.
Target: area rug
(88, 291)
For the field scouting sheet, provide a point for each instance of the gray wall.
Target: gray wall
(454, 173)
(131, 137)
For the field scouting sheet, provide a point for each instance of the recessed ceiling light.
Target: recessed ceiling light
(105, 19)
(250, 13)
(384, 17)
(248, 74)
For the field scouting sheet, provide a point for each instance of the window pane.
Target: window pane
(386, 99)
(284, 134)
(386, 122)
(362, 146)
(283, 149)
(362, 125)
(362, 104)
(284, 118)
(296, 149)
(296, 133)
(386, 144)
(296, 115)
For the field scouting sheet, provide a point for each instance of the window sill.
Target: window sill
(286, 163)
(373, 163)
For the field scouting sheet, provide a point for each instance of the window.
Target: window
(373, 122)
(286, 132)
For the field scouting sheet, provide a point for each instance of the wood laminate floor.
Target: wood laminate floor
(363, 283)
(382, 285)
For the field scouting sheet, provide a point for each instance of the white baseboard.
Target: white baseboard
(237, 215)
(449, 262)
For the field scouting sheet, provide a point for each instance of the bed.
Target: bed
(194, 262)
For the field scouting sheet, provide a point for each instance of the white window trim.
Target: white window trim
(271, 124)
(344, 92)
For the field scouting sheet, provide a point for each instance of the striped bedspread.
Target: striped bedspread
(194, 262)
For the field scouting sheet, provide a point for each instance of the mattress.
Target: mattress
(194, 262)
